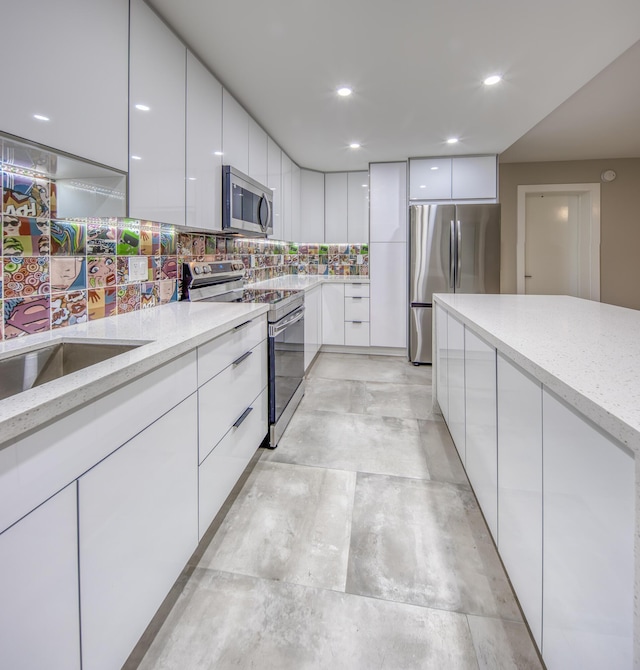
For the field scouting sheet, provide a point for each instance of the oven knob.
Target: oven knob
(206, 269)
(197, 270)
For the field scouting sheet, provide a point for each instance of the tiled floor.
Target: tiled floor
(357, 543)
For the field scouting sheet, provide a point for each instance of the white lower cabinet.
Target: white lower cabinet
(442, 364)
(388, 299)
(481, 439)
(520, 487)
(39, 618)
(221, 469)
(138, 526)
(589, 522)
(312, 325)
(333, 314)
(455, 376)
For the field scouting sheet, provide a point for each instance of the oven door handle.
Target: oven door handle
(276, 328)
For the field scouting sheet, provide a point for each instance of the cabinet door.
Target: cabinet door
(39, 616)
(335, 207)
(430, 179)
(287, 198)
(481, 438)
(204, 147)
(311, 206)
(157, 134)
(138, 516)
(333, 314)
(70, 64)
(442, 361)
(235, 133)
(274, 181)
(388, 202)
(358, 207)
(520, 487)
(388, 294)
(257, 152)
(296, 230)
(455, 373)
(589, 530)
(474, 177)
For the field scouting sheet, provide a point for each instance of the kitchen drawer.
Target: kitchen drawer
(356, 309)
(356, 333)
(221, 469)
(223, 399)
(351, 290)
(215, 356)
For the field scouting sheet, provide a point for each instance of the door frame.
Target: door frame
(589, 222)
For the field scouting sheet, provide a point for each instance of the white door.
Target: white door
(551, 244)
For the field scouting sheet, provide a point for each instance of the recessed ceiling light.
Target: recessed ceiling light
(354, 145)
(452, 140)
(218, 153)
(435, 167)
(40, 117)
(344, 91)
(423, 186)
(143, 108)
(493, 79)
(136, 158)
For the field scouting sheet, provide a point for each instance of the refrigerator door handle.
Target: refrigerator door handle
(458, 253)
(452, 255)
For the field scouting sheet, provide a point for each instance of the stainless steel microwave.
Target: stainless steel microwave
(247, 205)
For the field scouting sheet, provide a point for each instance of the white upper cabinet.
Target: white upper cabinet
(257, 152)
(235, 133)
(357, 207)
(156, 119)
(58, 47)
(294, 233)
(274, 181)
(388, 202)
(204, 147)
(430, 179)
(311, 206)
(335, 207)
(474, 177)
(287, 197)
(457, 178)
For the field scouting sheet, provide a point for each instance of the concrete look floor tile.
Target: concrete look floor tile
(370, 369)
(425, 543)
(353, 442)
(442, 458)
(289, 523)
(503, 644)
(225, 621)
(333, 395)
(404, 401)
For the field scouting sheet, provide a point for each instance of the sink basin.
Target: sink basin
(39, 366)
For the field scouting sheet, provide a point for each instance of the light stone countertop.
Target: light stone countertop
(169, 331)
(307, 282)
(586, 352)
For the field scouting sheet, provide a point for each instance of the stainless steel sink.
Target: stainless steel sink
(39, 366)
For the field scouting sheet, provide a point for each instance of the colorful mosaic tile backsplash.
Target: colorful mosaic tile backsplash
(57, 273)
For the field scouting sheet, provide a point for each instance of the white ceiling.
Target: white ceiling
(416, 67)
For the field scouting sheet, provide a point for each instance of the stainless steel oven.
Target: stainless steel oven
(222, 281)
(286, 371)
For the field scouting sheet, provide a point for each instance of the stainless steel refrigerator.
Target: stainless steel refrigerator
(454, 249)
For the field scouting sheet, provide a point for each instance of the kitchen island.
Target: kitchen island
(541, 396)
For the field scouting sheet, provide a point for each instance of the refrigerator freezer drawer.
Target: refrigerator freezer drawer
(420, 336)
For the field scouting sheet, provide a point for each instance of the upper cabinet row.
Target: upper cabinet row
(456, 178)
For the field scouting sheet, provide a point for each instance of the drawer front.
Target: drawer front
(224, 398)
(215, 356)
(220, 471)
(356, 334)
(356, 309)
(351, 290)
